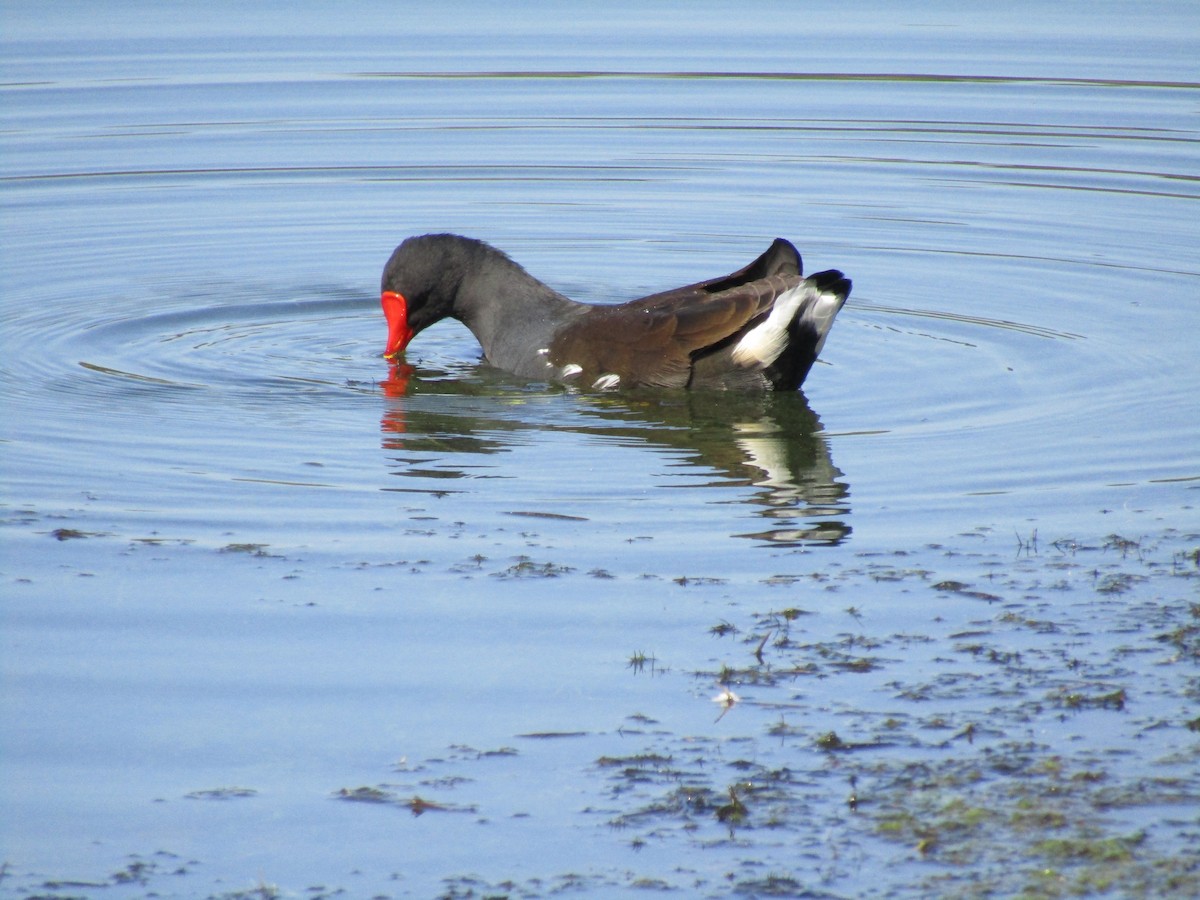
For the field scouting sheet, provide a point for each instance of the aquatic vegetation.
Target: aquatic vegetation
(524, 567)
(386, 797)
(638, 661)
(223, 793)
(259, 550)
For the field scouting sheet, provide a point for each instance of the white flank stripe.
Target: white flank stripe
(762, 345)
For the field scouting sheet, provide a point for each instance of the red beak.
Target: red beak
(395, 309)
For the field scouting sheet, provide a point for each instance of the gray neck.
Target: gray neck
(513, 316)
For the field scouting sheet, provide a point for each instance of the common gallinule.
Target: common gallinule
(760, 327)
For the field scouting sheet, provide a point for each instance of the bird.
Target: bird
(759, 328)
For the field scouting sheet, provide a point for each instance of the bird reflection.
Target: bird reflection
(768, 443)
(394, 388)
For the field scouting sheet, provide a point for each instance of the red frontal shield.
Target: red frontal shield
(395, 309)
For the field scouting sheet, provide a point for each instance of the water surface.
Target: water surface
(264, 593)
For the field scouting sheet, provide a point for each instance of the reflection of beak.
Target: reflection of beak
(395, 310)
(396, 384)
(394, 425)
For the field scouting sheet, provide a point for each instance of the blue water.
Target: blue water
(279, 570)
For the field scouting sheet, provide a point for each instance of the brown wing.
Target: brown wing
(653, 340)
(781, 258)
